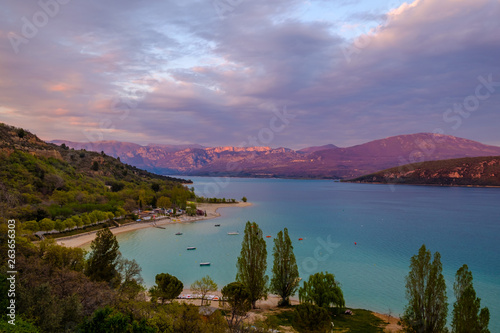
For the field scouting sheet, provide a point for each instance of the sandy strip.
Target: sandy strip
(392, 321)
(211, 209)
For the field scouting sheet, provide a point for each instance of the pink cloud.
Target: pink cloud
(61, 87)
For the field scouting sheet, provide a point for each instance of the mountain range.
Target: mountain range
(328, 161)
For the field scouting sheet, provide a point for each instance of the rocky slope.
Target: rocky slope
(476, 171)
(315, 162)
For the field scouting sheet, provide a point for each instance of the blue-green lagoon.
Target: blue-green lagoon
(365, 234)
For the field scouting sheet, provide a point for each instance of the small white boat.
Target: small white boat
(204, 264)
(233, 233)
(191, 248)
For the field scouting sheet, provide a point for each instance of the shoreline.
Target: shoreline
(271, 304)
(435, 185)
(340, 180)
(210, 208)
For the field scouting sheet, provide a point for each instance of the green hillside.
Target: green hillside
(39, 180)
(470, 171)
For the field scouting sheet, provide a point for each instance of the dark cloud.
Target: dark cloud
(179, 72)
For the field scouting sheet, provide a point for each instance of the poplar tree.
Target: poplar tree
(468, 317)
(252, 263)
(426, 293)
(285, 280)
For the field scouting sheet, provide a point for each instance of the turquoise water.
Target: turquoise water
(387, 223)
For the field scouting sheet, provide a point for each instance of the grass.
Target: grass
(362, 321)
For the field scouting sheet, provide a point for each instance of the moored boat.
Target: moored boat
(233, 233)
(204, 264)
(191, 248)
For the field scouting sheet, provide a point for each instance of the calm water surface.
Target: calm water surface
(364, 234)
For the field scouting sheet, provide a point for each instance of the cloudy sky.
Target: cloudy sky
(239, 72)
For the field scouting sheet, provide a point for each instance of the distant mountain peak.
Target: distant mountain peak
(313, 149)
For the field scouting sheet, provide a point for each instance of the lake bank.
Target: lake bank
(211, 212)
(269, 306)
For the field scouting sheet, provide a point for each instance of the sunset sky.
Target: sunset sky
(215, 72)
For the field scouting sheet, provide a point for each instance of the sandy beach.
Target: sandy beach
(211, 209)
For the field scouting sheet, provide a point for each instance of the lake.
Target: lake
(365, 234)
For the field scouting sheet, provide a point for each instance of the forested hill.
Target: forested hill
(474, 171)
(42, 180)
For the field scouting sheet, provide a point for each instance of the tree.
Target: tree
(252, 263)
(191, 209)
(322, 290)
(164, 202)
(95, 166)
(130, 205)
(62, 257)
(203, 286)
(285, 280)
(109, 320)
(85, 219)
(93, 217)
(190, 321)
(69, 223)
(244, 199)
(311, 318)
(78, 220)
(59, 225)
(155, 187)
(102, 262)
(120, 212)
(167, 288)
(237, 298)
(21, 133)
(31, 226)
(46, 224)
(426, 293)
(468, 317)
(131, 279)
